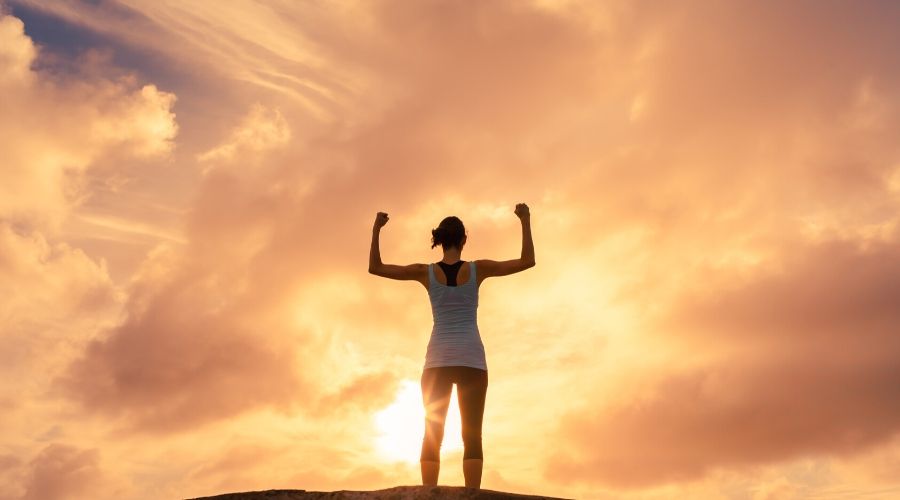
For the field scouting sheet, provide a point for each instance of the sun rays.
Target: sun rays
(401, 425)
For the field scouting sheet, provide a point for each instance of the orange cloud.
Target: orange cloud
(51, 131)
(260, 130)
(60, 471)
(798, 374)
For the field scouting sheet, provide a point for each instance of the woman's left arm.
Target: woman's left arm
(378, 268)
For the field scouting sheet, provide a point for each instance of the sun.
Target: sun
(401, 425)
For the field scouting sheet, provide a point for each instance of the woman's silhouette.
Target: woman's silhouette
(455, 352)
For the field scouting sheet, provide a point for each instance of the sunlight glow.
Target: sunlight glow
(401, 425)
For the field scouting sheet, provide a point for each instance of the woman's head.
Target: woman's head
(449, 233)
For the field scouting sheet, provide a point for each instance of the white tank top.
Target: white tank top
(455, 339)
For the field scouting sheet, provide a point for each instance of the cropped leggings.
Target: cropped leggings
(471, 389)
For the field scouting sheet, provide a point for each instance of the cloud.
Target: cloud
(54, 299)
(55, 296)
(51, 293)
(238, 467)
(209, 330)
(795, 374)
(780, 489)
(185, 356)
(260, 130)
(17, 54)
(54, 129)
(61, 471)
(152, 134)
(272, 49)
(369, 392)
(837, 297)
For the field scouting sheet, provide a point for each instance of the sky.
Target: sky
(187, 191)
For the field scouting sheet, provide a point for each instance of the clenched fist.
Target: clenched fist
(522, 210)
(380, 220)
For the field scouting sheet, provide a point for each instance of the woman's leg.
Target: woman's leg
(436, 388)
(471, 391)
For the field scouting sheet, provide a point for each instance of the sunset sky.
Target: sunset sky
(187, 192)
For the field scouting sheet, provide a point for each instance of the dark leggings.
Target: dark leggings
(471, 388)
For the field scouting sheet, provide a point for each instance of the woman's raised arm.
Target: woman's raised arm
(488, 268)
(411, 272)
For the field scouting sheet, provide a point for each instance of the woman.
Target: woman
(455, 352)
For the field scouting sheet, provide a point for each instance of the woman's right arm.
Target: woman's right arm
(417, 272)
(488, 268)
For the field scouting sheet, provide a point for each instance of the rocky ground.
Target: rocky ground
(396, 493)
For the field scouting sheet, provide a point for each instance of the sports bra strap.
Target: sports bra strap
(451, 271)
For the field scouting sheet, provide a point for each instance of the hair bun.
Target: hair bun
(436, 235)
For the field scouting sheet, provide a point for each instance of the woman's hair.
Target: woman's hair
(449, 233)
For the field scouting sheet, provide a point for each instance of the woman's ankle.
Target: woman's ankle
(472, 472)
(430, 471)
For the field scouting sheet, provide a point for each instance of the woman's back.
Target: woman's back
(455, 338)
